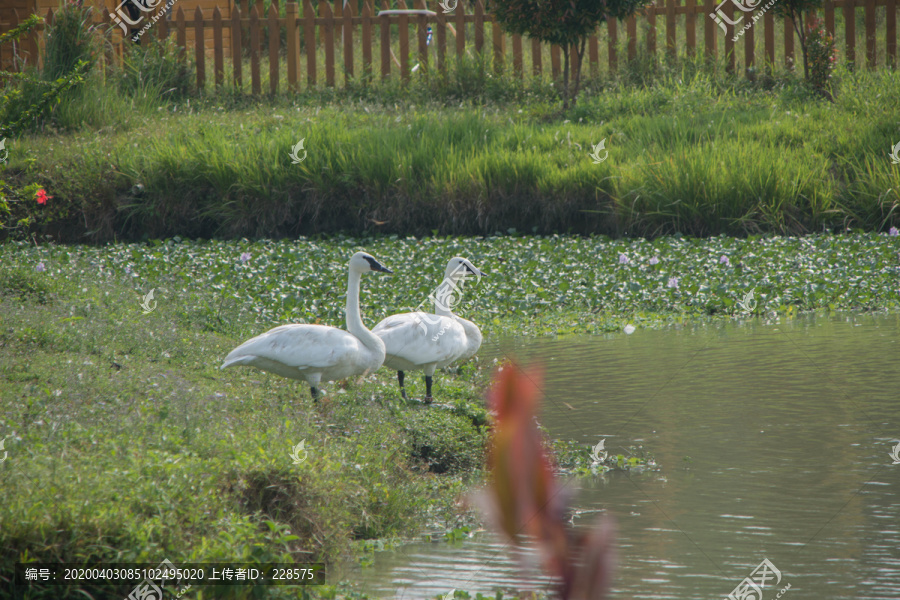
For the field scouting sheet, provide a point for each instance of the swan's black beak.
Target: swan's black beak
(476, 272)
(377, 266)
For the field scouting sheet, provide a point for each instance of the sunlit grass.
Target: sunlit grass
(126, 443)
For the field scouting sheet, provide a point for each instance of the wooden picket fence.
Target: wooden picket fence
(341, 30)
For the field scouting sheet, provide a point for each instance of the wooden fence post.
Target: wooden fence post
(769, 33)
(890, 23)
(670, 28)
(422, 36)
(460, 30)
(255, 84)
(181, 37)
(555, 63)
(274, 48)
(709, 30)
(870, 33)
(631, 32)
(789, 42)
(479, 26)
(199, 49)
(327, 14)
(498, 43)
(729, 39)
(293, 44)
(347, 22)
(309, 40)
(749, 51)
(162, 27)
(385, 43)
(367, 39)
(690, 27)
(236, 63)
(536, 58)
(218, 48)
(612, 28)
(441, 37)
(404, 42)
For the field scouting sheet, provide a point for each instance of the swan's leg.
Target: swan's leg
(428, 397)
(402, 389)
(429, 373)
(313, 381)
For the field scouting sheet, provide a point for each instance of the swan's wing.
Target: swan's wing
(418, 337)
(473, 338)
(298, 346)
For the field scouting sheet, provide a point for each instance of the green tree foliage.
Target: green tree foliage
(567, 23)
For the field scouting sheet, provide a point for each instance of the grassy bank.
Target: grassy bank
(126, 443)
(690, 151)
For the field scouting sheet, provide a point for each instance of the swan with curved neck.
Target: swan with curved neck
(314, 353)
(425, 342)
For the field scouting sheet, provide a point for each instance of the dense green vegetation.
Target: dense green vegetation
(127, 443)
(689, 151)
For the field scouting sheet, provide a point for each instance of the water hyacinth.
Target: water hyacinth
(39, 267)
(673, 283)
(893, 231)
(245, 256)
(525, 498)
(654, 260)
(623, 260)
(723, 260)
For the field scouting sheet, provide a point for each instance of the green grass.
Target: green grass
(693, 154)
(126, 443)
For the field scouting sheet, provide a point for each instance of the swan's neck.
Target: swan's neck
(449, 294)
(354, 319)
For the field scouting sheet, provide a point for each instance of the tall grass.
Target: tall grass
(692, 149)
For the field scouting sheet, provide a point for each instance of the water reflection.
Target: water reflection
(774, 442)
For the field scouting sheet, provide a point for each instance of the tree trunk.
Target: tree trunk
(578, 70)
(565, 86)
(797, 20)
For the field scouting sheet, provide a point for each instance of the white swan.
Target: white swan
(314, 353)
(421, 341)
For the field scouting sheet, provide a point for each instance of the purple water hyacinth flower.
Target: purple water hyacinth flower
(623, 260)
(673, 283)
(654, 260)
(723, 260)
(893, 231)
(245, 256)
(40, 268)
(128, 270)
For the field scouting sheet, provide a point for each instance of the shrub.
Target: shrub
(71, 39)
(156, 67)
(27, 96)
(822, 55)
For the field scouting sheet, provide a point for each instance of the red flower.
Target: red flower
(42, 196)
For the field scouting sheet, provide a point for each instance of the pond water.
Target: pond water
(774, 442)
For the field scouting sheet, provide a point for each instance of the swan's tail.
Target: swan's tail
(236, 361)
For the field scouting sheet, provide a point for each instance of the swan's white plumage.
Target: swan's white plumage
(310, 353)
(414, 342)
(315, 353)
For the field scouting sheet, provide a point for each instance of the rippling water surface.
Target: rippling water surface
(774, 442)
